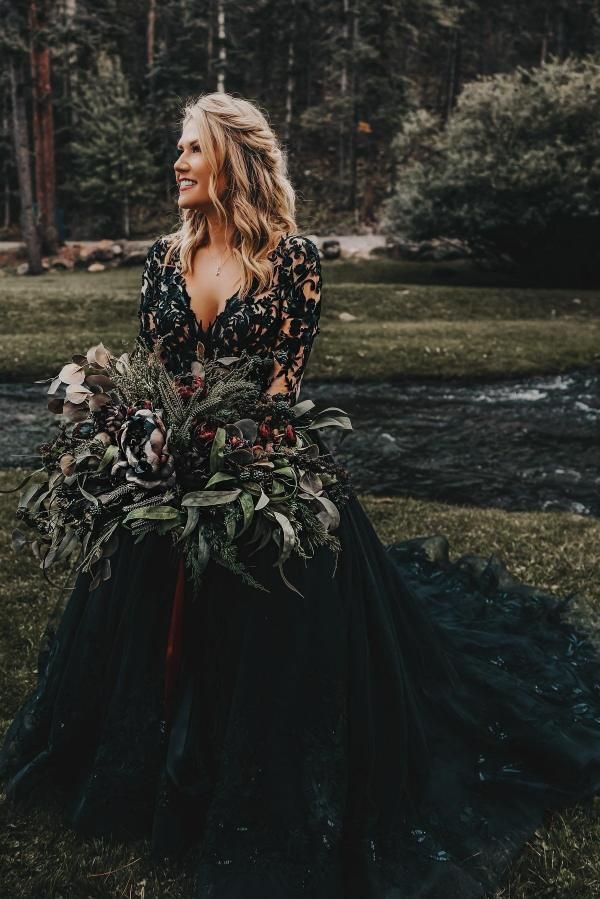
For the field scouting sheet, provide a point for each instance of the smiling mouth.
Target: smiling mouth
(186, 185)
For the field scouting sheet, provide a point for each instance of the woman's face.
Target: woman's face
(192, 165)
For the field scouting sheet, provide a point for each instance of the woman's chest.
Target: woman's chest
(244, 323)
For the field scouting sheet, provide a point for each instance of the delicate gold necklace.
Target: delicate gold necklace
(220, 266)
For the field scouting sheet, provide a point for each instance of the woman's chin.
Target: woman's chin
(187, 202)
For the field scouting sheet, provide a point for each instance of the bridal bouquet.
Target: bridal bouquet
(204, 457)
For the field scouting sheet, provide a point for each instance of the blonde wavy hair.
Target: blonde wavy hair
(236, 137)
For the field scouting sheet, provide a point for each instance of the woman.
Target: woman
(399, 731)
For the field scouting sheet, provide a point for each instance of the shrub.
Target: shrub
(516, 171)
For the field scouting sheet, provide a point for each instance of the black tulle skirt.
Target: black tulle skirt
(397, 732)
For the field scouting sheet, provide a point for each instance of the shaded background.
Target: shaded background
(360, 94)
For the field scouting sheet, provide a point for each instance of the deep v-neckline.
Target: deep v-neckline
(198, 321)
(188, 300)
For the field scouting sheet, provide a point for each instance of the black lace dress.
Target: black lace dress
(396, 733)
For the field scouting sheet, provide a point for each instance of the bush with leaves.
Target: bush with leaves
(515, 173)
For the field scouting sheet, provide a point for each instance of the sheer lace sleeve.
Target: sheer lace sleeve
(300, 313)
(149, 297)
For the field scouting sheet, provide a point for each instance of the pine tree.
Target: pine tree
(113, 166)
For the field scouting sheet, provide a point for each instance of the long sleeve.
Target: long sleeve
(148, 299)
(300, 313)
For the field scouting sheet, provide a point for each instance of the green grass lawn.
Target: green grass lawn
(39, 858)
(400, 330)
(403, 328)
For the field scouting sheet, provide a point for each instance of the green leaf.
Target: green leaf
(289, 536)
(247, 504)
(286, 582)
(193, 517)
(286, 471)
(220, 476)
(109, 456)
(210, 497)
(263, 500)
(302, 407)
(323, 420)
(29, 494)
(153, 513)
(216, 451)
(88, 496)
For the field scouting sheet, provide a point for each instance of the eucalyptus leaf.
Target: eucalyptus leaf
(289, 537)
(220, 476)
(110, 454)
(263, 500)
(248, 427)
(29, 494)
(286, 471)
(302, 407)
(216, 451)
(153, 513)
(323, 420)
(210, 497)
(247, 504)
(286, 582)
(193, 517)
(35, 506)
(88, 496)
(330, 516)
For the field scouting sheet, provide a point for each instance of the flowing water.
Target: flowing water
(522, 444)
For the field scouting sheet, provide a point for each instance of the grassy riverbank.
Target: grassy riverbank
(400, 329)
(38, 857)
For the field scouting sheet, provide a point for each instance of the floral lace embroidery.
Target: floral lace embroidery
(282, 322)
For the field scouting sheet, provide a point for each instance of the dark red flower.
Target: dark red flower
(264, 430)
(290, 434)
(205, 433)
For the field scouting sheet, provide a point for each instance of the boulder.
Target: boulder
(331, 249)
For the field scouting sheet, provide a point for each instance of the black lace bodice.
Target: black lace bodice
(283, 321)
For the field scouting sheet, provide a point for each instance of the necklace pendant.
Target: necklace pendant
(218, 271)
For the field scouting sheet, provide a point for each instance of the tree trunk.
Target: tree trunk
(290, 81)
(222, 34)
(210, 36)
(352, 194)
(453, 71)
(22, 155)
(561, 32)
(343, 96)
(43, 126)
(150, 32)
(544, 47)
(6, 193)
(126, 217)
